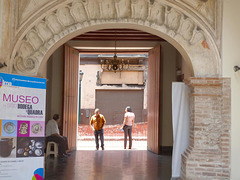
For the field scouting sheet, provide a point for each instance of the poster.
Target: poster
(22, 127)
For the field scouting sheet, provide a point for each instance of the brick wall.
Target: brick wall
(208, 154)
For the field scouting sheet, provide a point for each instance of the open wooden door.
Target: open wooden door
(70, 95)
(153, 133)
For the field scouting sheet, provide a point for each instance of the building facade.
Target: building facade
(206, 33)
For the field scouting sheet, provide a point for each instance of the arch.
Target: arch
(189, 35)
(185, 29)
(106, 26)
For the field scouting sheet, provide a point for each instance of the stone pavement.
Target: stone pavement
(113, 137)
(111, 145)
(139, 130)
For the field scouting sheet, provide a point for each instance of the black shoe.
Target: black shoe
(103, 148)
(67, 154)
(129, 148)
(97, 148)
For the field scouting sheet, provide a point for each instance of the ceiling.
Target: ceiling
(118, 35)
(111, 40)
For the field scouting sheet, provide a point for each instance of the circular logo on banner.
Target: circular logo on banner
(38, 174)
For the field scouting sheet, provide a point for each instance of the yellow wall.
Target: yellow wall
(55, 84)
(231, 57)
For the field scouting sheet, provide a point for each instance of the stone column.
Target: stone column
(208, 154)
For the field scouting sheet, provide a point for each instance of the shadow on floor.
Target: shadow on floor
(109, 165)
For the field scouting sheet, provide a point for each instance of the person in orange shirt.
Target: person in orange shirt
(97, 122)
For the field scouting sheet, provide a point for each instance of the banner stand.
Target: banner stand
(22, 127)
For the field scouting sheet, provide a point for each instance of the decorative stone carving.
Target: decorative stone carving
(107, 9)
(139, 9)
(158, 15)
(79, 12)
(186, 29)
(53, 23)
(123, 8)
(197, 37)
(207, 8)
(34, 39)
(173, 20)
(25, 49)
(64, 16)
(44, 31)
(92, 8)
(29, 65)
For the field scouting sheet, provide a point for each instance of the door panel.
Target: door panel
(70, 96)
(154, 100)
(112, 104)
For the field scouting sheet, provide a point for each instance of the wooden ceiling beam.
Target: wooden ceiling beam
(119, 35)
(101, 51)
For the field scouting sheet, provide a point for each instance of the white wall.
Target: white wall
(231, 57)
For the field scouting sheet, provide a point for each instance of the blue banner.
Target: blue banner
(22, 81)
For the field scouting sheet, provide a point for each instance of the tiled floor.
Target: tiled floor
(110, 165)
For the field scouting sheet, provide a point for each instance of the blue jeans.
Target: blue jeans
(96, 133)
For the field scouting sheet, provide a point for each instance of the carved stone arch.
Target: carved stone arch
(163, 18)
(180, 27)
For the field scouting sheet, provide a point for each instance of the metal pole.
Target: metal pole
(79, 103)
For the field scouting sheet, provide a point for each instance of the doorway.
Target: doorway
(111, 92)
(171, 62)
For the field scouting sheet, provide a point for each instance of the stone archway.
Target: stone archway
(208, 154)
(58, 25)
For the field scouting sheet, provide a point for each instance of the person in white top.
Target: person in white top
(128, 123)
(52, 134)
